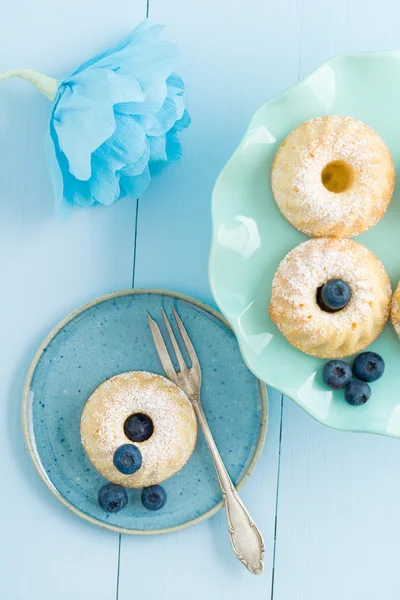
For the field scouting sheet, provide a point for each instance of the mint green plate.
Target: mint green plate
(250, 237)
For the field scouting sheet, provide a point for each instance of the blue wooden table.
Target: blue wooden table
(328, 503)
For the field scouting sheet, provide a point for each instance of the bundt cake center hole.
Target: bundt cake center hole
(138, 427)
(337, 176)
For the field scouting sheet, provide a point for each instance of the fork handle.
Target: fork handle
(246, 539)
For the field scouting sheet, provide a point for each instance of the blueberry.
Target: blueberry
(368, 366)
(127, 459)
(138, 427)
(336, 374)
(154, 497)
(357, 392)
(112, 498)
(333, 295)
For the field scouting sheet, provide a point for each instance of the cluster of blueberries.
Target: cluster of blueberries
(113, 498)
(338, 374)
(127, 460)
(367, 367)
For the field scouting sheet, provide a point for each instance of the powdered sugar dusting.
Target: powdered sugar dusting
(294, 305)
(300, 193)
(174, 421)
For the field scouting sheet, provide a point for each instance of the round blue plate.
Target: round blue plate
(109, 336)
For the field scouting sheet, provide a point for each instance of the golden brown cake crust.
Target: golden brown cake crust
(294, 306)
(175, 426)
(298, 171)
(395, 310)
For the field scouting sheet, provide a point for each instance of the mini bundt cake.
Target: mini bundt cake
(333, 176)
(143, 410)
(330, 297)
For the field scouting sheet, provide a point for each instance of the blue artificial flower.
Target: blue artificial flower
(114, 121)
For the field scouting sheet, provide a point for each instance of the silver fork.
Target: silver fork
(246, 539)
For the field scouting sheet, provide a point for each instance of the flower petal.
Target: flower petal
(135, 186)
(139, 165)
(77, 191)
(55, 170)
(84, 115)
(160, 123)
(173, 147)
(156, 94)
(124, 148)
(183, 122)
(175, 85)
(157, 148)
(150, 62)
(104, 185)
(140, 52)
(180, 106)
(144, 31)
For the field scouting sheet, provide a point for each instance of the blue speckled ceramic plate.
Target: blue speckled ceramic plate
(110, 336)
(251, 237)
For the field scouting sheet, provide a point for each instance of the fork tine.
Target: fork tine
(179, 356)
(188, 342)
(162, 349)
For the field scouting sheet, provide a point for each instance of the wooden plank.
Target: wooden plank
(338, 519)
(49, 267)
(230, 66)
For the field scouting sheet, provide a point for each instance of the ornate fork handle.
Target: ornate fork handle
(246, 540)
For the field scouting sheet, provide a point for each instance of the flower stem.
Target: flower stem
(47, 85)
